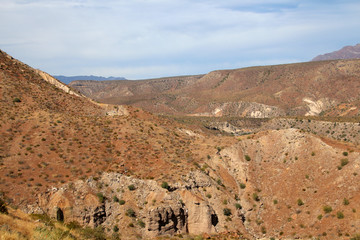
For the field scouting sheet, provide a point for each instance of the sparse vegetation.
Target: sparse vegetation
(327, 209)
(344, 162)
(256, 197)
(130, 212)
(165, 185)
(340, 215)
(247, 158)
(101, 197)
(227, 211)
(3, 208)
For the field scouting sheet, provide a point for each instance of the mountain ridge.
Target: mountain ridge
(68, 79)
(265, 91)
(347, 52)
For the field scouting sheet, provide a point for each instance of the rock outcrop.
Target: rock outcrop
(167, 220)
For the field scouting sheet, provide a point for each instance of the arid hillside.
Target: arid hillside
(348, 52)
(84, 170)
(311, 89)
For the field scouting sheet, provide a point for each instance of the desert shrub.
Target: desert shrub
(340, 215)
(115, 199)
(208, 195)
(346, 201)
(327, 209)
(238, 206)
(165, 185)
(16, 100)
(3, 208)
(93, 233)
(345, 153)
(101, 197)
(256, 197)
(242, 186)
(115, 228)
(131, 187)
(344, 161)
(320, 217)
(121, 202)
(355, 237)
(275, 201)
(130, 212)
(141, 223)
(73, 225)
(227, 211)
(247, 158)
(300, 202)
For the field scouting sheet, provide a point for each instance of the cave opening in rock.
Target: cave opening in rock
(214, 219)
(60, 215)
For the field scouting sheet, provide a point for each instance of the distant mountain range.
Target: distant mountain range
(67, 80)
(348, 52)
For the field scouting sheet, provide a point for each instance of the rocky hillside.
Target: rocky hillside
(257, 92)
(348, 52)
(119, 172)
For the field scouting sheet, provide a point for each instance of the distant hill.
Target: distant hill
(268, 91)
(67, 80)
(348, 52)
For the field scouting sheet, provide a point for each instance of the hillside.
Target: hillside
(268, 91)
(128, 174)
(348, 52)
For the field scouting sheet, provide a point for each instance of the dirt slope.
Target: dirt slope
(124, 171)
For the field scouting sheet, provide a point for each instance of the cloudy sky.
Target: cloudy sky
(153, 38)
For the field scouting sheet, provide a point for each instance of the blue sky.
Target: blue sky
(153, 38)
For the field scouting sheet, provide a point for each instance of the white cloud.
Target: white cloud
(148, 38)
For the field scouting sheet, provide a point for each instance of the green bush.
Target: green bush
(73, 225)
(116, 199)
(242, 186)
(327, 209)
(300, 202)
(165, 185)
(3, 208)
(346, 201)
(238, 206)
(345, 153)
(101, 197)
(344, 161)
(141, 223)
(227, 211)
(340, 215)
(121, 202)
(256, 197)
(247, 158)
(115, 228)
(131, 187)
(130, 212)
(16, 100)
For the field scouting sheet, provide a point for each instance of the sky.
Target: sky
(139, 39)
